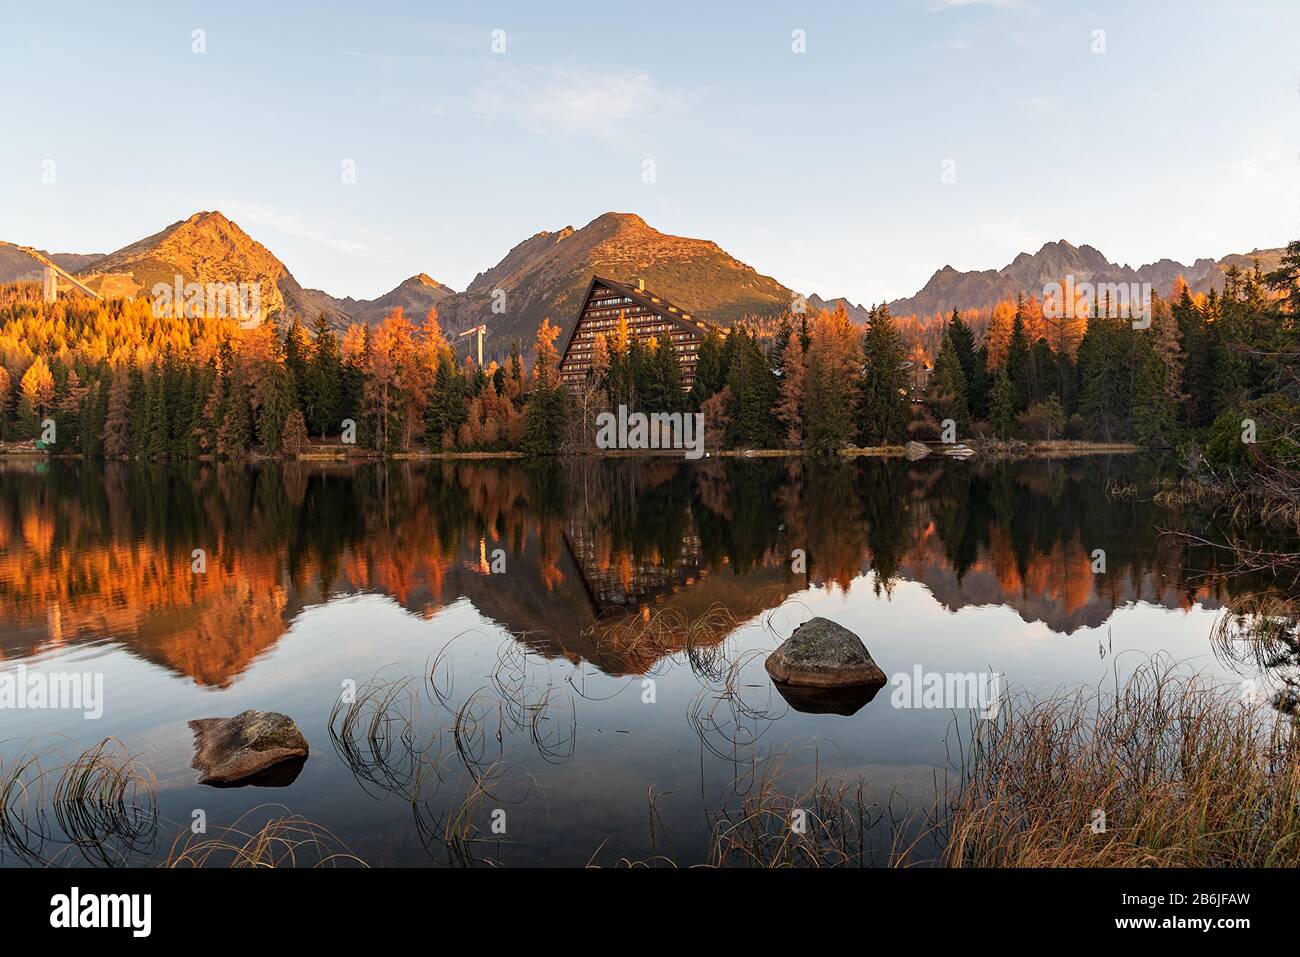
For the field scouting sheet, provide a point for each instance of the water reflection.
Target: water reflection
(559, 553)
(577, 644)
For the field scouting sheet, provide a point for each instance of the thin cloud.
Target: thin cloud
(290, 225)
(569, 102)
(936, 5)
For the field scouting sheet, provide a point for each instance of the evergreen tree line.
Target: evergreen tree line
(1218, 368)
(120, 382)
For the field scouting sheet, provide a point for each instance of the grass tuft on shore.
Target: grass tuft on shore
(1166, 770)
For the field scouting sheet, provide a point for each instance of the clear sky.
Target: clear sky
(822, 168)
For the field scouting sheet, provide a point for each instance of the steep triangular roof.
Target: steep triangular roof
(642, 297)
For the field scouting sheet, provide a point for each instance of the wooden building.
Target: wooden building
(647, 315)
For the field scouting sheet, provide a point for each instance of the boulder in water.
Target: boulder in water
(822, 654)
(254, 747)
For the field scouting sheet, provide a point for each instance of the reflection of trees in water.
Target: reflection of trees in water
(89, 550)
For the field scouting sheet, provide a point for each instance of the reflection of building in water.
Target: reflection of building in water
(619, 581)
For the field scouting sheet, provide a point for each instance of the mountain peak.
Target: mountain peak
(424, 279)
(545, 277)
(1029, 273)
(624, 223)
(622, 219)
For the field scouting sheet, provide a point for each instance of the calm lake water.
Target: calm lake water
(578, 643)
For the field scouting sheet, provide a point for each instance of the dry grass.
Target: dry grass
(1187, 773)
(282, 841)
(826, 825)
(101, 805)
(1271, 498)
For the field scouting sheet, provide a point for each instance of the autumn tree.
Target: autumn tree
(547, 406)
(833, 368)
(36, 389)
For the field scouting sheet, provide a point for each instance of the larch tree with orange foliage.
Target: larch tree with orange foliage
(36, 389)
(547, 409)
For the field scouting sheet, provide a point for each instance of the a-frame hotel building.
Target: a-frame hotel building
(647, 315)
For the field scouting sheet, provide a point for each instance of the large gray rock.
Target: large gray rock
(255, 747)
(822, 654)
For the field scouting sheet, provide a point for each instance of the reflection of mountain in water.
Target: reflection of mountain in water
(89, 553)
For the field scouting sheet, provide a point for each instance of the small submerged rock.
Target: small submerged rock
(822, 654)
(915, 450)
(255, 747)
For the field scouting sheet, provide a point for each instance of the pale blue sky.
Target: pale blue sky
(822, 169)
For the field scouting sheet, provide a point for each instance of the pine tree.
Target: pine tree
(515, 382)
(781, 342)
(1019, 363)
(963, 344)
(235, 433)
(1154, 411)
(710, 370)
(323, 392)
(6, 400)
(294, 433)
(446, 411)
(664, 387)
(977, 388)
(117, 418)
(753, 394)
(790, 402)
(1002, 404)
(297, 355)
(883, 410)
(946, 394)
(1104, 379)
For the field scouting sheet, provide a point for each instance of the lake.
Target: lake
(561, 662)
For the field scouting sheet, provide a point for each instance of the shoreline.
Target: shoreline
(1044, 449)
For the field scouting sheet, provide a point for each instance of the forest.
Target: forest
(1217, 372)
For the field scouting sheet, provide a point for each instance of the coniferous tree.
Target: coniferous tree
(710, 370)
(297, 354)
(946, 394)
(753, 390)
(883, 407)
(978, 386)
(963, 344)
(1002, 404)
(780, 343)
(791, 398)
(323, 395)
(1104, 379)
(117, 421)
(235, 433)
(1019, 362)
(1154, 411)
(294, 433)
(664, 391)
